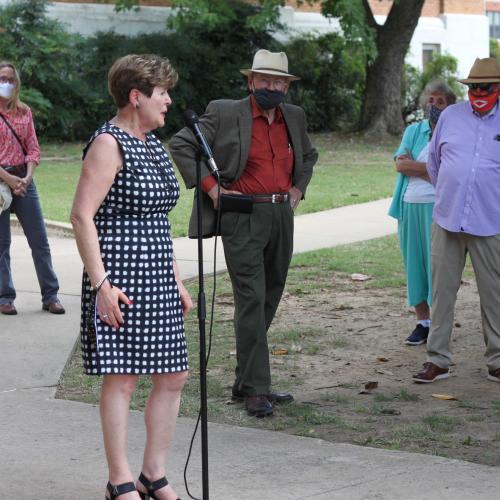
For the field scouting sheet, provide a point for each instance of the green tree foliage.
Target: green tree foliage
(207, 57)
(208, 15)
(332, 75)
(494, 48)
(64, 77)
(47, 58)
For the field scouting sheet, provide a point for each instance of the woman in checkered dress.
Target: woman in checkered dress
(133, 300)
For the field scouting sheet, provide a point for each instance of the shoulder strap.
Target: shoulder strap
(14, 133)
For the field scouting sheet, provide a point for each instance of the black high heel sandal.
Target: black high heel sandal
(117, 490)
(151, 486)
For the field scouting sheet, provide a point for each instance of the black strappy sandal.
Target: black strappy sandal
(119, 489)
(151, 486)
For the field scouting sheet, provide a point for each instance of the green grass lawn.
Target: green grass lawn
(349, 171)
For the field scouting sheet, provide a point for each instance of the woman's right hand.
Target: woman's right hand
(108, 304)
(16, 185)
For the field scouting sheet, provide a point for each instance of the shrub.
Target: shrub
(47, 58)
(207, 58)
(332, 73)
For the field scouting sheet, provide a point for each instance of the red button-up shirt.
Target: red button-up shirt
(270, 157)
(11, 152)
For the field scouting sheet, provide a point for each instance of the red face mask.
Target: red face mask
(483, 100)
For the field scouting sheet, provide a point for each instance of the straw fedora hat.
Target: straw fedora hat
(485, 70)
(270, 63)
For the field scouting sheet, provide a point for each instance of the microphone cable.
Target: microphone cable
(210, 330)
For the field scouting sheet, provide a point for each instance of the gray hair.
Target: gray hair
(437, 86)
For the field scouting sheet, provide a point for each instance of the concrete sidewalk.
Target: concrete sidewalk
(52, 448)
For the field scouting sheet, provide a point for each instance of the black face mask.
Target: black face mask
(434, 113)
(268, 99)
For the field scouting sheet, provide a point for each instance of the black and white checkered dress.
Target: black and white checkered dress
(136, 248)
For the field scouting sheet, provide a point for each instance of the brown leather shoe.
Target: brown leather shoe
(494, 375)
(54, 308)
(259, 406)
(8, 309)
(430, 373)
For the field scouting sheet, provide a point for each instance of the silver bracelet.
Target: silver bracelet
(98, 285)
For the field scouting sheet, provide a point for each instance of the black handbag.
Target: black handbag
(241, 203)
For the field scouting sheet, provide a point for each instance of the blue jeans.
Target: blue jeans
(29, 213)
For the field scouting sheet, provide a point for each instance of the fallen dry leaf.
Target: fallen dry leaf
(360, 277)
(279, 351)
(369, 388)
(390, 411)
(384, 372)
(382, 359)
(446, 397)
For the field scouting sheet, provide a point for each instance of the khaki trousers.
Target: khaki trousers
(448, 254)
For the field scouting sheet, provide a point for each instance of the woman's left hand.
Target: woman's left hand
(186, 301)
(27, 180)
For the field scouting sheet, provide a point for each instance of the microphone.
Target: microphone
(192, 121)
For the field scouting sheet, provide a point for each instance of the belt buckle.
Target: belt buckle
(274, 198)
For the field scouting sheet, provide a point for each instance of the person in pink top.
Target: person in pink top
(19, 156)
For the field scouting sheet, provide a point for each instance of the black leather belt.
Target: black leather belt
(271, 198)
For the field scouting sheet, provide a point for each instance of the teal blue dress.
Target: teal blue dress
(414, 221)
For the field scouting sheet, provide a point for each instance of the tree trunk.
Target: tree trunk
(381, 113)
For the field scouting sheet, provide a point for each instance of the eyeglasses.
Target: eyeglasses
(266, 82)
(480, 86)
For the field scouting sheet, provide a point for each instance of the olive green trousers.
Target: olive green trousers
(258, 248)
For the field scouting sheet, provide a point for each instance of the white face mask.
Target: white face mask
(6, 90)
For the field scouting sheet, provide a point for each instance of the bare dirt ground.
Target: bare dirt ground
(355, 335)
(340, 335)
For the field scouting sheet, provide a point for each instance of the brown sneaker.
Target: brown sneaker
(430, 373)
(8, 309)
(494, 375)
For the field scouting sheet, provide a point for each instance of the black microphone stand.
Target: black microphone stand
(201, 326)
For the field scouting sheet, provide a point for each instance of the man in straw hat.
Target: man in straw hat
(266, 159)
(464, 166)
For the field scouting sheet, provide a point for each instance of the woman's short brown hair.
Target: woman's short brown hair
(143, 72)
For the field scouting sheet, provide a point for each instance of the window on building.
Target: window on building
(494, 19)
(428, 51)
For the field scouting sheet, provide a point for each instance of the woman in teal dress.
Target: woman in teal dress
(413, 203)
